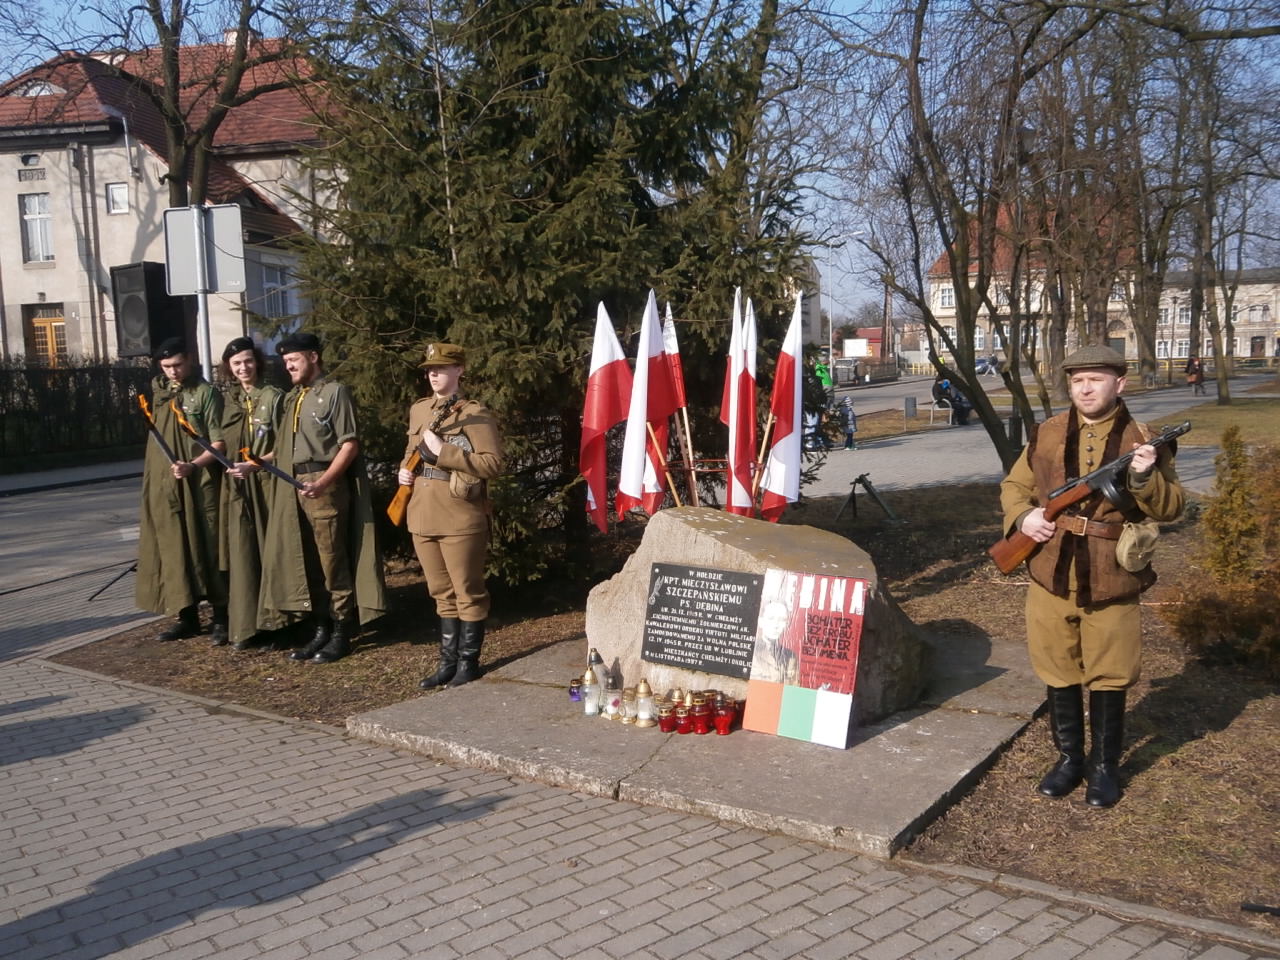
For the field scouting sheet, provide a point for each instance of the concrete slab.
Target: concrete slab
(871, 798)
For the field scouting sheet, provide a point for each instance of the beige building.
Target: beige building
(1255, 306)
(82, 161)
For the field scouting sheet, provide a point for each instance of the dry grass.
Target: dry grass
(1257, 417)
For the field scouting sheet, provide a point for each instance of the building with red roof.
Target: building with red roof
(83, 162)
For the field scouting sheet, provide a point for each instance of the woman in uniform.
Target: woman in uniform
(249, 419)
(453, 450)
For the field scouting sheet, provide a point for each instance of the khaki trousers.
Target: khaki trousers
(324, 545)
(454, 569)
(1099, 647)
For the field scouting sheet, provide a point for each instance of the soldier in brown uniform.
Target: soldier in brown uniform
(448, 513)
(1083, 625)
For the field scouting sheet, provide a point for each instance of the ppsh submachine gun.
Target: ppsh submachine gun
(1108, 479)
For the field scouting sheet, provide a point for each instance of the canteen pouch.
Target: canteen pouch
(1137, 544)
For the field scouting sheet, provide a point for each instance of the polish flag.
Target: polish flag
(653, 401)
(741, 388)
(608, 393)
(781, 482)
(671, 349)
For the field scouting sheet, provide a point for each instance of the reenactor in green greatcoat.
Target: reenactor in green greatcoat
(249, 421)
(178, 523)
(320, 559)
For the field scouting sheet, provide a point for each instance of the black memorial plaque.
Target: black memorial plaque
(701, 619)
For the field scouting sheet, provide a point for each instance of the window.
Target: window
(979, 338)
(1164, 316)
(46, 335)
(947, 297)
(950, 331)
(275, 292)
(1184, 348)
(117, 198)
(1002, 296)
(1162, 349)
(1117, 292)
(1208, 347)
(37, 227)
(1184, 315)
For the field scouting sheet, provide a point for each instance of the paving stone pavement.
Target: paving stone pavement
(138, 823)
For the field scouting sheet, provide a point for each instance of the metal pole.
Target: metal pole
(202, 292)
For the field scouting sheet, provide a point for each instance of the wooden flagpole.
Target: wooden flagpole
(764, 445)
(662, 457)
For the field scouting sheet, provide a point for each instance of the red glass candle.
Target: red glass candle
(684, 722)
(724, 717)
(666, 718)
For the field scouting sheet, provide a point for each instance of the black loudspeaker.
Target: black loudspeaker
(146, 315)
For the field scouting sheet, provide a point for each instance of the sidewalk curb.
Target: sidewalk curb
(1111, 906)
(63, 484)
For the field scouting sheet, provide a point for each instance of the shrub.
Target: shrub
(1234, 613)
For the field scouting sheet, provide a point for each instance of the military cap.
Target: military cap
(171, 348)
(299, 343)
(238, 345)
(1095, 355)
(444, 355)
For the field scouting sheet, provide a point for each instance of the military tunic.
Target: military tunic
(249, 420)
(178, 522)
(320, 552)
(1083, 623)
(448, 513)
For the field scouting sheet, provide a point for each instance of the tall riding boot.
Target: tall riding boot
(187, 625)
(1106, 728)
(318, 641)
(469, 643)
(449, 629)
(339, 644)
(1066, 723)
(219, 630)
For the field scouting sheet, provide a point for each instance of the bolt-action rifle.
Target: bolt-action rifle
(1108, 480)
(399, 504)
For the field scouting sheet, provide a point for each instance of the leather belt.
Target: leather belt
(427, 471)
(1084, 527)
(311, 466)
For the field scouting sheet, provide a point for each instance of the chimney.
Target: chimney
(229, 37)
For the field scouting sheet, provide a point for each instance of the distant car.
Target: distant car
(989, 366)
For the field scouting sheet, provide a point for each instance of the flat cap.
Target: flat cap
(1095, 355)
(299, 343)
(444, 355)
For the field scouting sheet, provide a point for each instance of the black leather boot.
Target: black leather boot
(187, 625)
(219, 631)
(1106, 728)
(338, 646)
(449, 628)
(469, 643)
(317, 642)
(1066, 723)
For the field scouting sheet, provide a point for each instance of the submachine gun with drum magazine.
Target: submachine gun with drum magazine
(400, 502)
(1108, 480)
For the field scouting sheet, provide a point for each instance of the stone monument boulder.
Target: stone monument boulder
(891, 671)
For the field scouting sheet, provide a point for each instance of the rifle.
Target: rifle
(1017, 547)
(151, 427)
(400, 501)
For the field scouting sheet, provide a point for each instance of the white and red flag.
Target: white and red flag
(782, 472)
(671, 349)
(738, 411)
(608, 395)
(653, 401)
